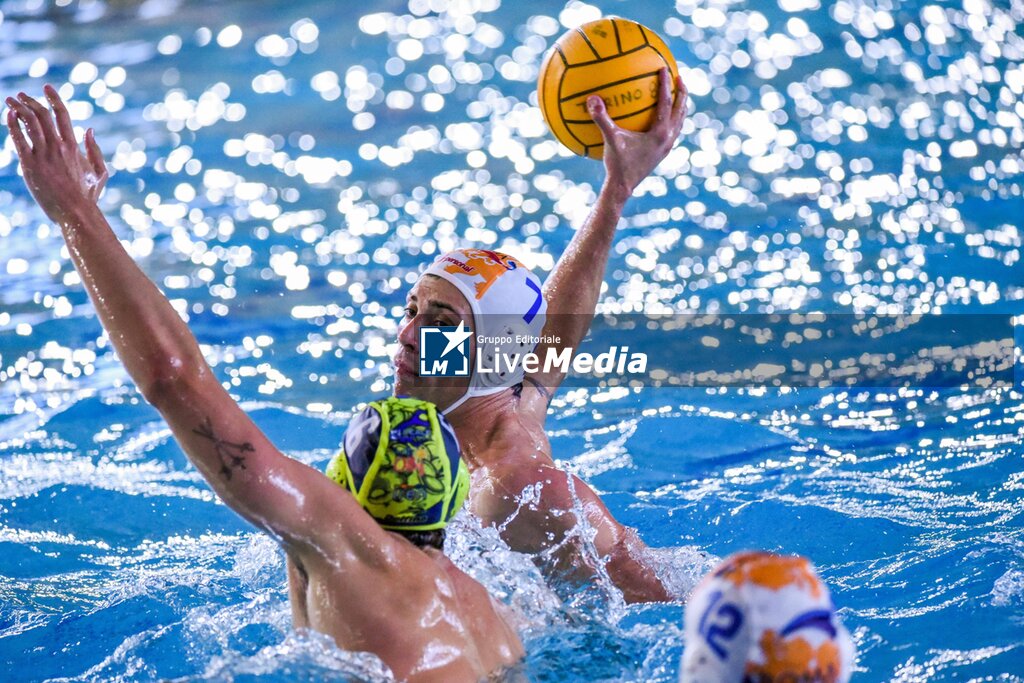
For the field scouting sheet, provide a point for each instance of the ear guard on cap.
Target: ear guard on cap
(401, 461)
(508, 305)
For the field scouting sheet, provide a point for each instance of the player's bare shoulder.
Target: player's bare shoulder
(401, 463)
(489, 620)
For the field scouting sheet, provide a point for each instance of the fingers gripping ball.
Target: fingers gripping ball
(614, 58)
(401, 461)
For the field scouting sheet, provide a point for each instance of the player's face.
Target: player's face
(431, 301)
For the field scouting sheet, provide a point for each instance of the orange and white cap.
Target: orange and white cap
(763, 617)
(508, 311)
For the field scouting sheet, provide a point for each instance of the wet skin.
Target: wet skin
(371, 590)
(516, 485)
(508, 454)
(341, 562)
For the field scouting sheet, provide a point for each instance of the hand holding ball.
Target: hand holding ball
(613, 58)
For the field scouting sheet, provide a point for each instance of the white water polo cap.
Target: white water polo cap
(508, 313)
(761, 617)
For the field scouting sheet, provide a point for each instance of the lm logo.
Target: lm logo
(444, 351)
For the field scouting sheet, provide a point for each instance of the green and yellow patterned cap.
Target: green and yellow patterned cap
(401, 461)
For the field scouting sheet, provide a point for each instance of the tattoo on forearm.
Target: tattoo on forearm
(540, 387)
(230, 453)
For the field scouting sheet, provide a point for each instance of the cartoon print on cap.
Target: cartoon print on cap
(490, 265)
(777, 573)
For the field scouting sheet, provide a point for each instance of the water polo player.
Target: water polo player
(369, 588)
(764, 618)
(500, 418)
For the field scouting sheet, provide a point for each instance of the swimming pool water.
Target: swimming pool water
(283, 171)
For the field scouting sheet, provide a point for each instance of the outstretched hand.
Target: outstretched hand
(629, 157)
(57, 172)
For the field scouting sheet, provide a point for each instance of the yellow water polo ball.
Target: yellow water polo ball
(614, 58)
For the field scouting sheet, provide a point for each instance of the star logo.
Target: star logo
(444, 351)
(456, 338)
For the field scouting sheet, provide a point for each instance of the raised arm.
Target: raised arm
(572, 288)
(282, 496)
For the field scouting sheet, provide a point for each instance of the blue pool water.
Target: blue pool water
(284, 169)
